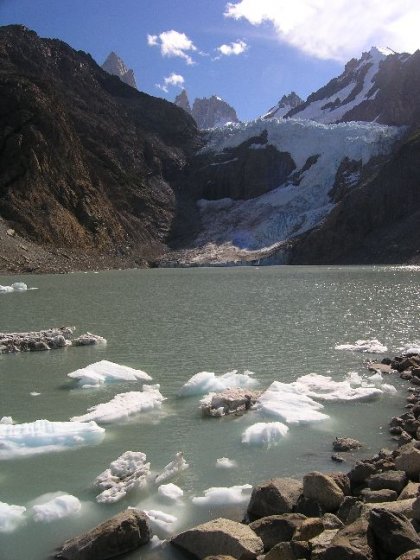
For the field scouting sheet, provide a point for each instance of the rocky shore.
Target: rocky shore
(371, 512)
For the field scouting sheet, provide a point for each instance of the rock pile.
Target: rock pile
(49, 339)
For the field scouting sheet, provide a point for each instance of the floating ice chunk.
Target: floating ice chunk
(34, 394)
(170, 491)
(218, 496)
(287, 402)
(6, 289)
(369, 346)
(15, 287)
(11, 517)
(6, 420)
(160, 522)
(207, 381)
(411, 349)
(126, 473)
(156, 542)
(265, 433)
(225, 463)
(104, 371)
(124, 405)
(322, 387)
(43, 436)
(174, 467)
(56, 507)
(387, 388)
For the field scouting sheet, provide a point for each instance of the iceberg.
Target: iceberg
(42, 436)
(323, 388)
(98, 373)
(126, 473)
(11, 517)
(170, 492)
(57, 507)
(265, 433)
(366, 346)
(124, 405)
(173, 468)
(226, 463)
(15, 287)
(221, 496)
(207, 382)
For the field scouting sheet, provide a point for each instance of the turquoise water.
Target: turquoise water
(279, 322)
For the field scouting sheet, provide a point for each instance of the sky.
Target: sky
(249, 52)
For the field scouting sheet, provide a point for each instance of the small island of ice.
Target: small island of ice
(104, 371)
(55, 507)
(170, 492)
(207, 382)
(15, 287)
(265, 433)
(222, 496)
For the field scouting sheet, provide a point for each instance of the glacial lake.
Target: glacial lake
(278, 322)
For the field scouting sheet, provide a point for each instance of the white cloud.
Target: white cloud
(233, 48)
(172, 43)
(174, 80)
(336, 29)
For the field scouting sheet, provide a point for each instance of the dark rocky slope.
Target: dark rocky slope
(86, 162)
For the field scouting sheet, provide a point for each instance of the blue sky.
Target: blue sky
(249, 52)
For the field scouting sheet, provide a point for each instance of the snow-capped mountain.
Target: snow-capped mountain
(208, 112)
(382, 86)
(286, 104)
(115, 65)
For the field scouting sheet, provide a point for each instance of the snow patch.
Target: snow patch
(206, 382)
(372, 346)
(98, 373)
(42, 436)
(265, 433)
(124, 405)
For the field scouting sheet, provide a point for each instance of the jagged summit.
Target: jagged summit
(115, 65)
(181, 100)
(286, 104)
(208, 112)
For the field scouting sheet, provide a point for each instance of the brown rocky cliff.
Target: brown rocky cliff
(85, 160)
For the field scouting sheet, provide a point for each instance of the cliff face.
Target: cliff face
(85, 160)
(208, 112)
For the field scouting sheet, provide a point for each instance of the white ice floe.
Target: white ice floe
(6, 420)
(124, 405)
(178, 464)
(222, 496)
(386, 388)
(104, 371)
(411, 348)
(265, 433)
(43, 436)
(34, 394)
(324, 388)
(226, 463)
(126, 473)
(55, 507)
(15, 287)
(207, 381)
(11, 517)
(170, 492)
(160, 522)
(372, 346)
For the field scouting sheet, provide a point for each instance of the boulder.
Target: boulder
(233, 400)
(349, 510)
(408, 460)
(399, 506)
(410, 555)
(323, 489)
(220, 537)
(416, 508)
(308, 507)
(277, 528)
(121, 534)
(378, 496)
(346, 444)
(410, 491)
(274, 497)
(392, 480)
(353, 542)
(309, 529)
(320, 544)
(393, 533)
(294, 550)
(361, 471)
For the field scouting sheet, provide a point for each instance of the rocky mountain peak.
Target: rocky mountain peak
(181, 100)
(211, 112)
(115, 65)
(286, 104)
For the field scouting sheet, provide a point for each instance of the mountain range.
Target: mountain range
(90, 166)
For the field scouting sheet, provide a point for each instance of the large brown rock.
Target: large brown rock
(277, 528)
(274, 497)
(410, 555)
(323, 489)
(393, 533)
(391, 480)
(294, 550)
(353, 542)
(121, 534)
(408, 460)
(220, 537)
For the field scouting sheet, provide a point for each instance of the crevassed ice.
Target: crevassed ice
(43, 436)
(207, 381)
(128, 472)
(11, 517)
(232, 495)
(372, 346)
(265, 433)
(55, 507)
(123, 405)
(104, 371)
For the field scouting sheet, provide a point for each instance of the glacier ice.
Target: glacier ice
(170, 491)
(177, 465)
(98, 373)
(11, 517)
(207, 381)
(264, 433)
(124, 405)
(128, 472)
(372, 346)
(56, 506)
(222, 496)
(43, 436)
